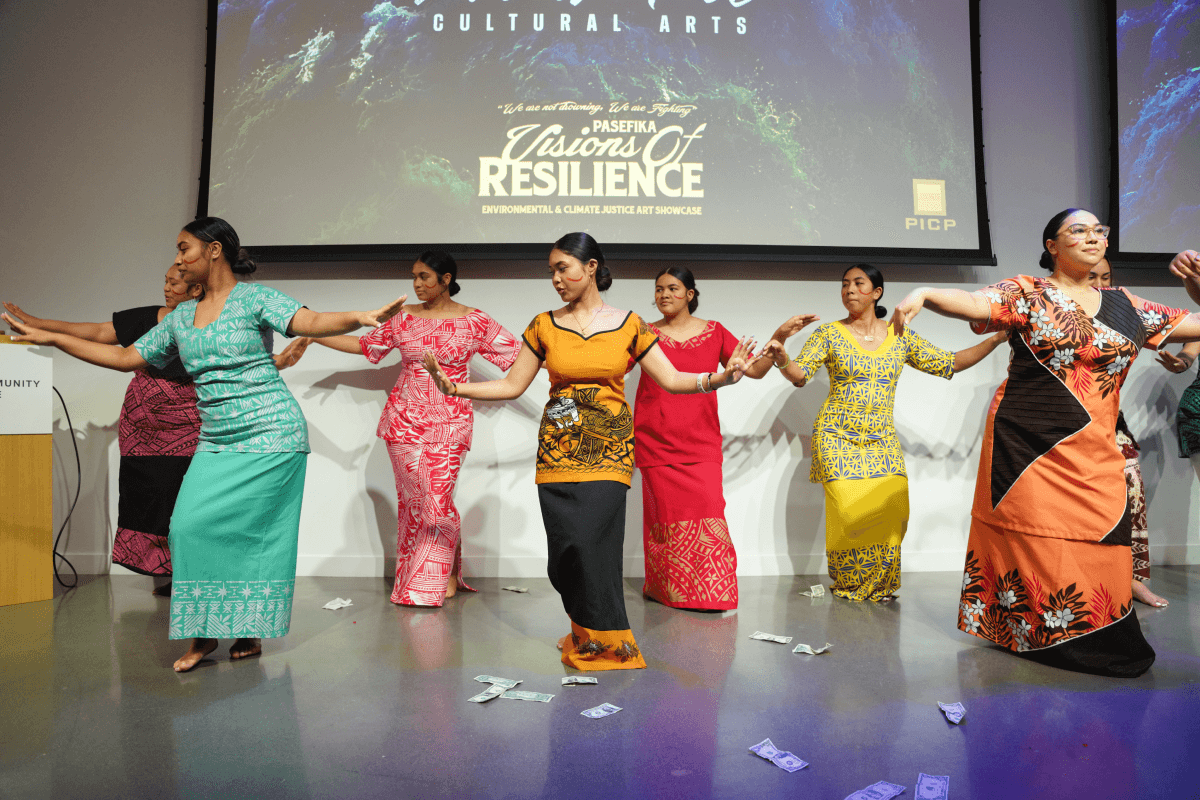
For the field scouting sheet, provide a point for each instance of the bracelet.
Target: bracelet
(785, 363)
(700, 382)
(454, 393)
(710, 388)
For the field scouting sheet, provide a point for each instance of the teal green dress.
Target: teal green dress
(1187, 419)
(236, 524)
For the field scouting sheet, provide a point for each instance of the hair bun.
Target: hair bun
(454, 288)
(244, 265)
(880, 311)
(603, 278)
(1046, 262)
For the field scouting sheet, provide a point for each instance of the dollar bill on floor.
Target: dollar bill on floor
(517, 589)
(536, 697)
(815, 591)
(808, 651)
(788, 761)
(770, 637)
(878, 791)
(932, 787)
(953, 711)
(602, 710)
(490, 693)
(492, 679)
(578, 680)
(765, 749)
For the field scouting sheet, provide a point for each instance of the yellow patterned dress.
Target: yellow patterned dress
(856, 453)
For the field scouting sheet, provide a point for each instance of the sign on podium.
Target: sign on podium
(26, 448)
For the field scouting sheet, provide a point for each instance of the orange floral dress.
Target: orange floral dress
(1048, 559)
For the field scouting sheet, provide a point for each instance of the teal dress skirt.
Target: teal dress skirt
(1187, 419)
(236, 524)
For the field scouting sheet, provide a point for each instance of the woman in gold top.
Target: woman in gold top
(585, 442)
(855, 450)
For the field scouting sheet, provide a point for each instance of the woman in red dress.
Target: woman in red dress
(1048, 559)
(690, 560)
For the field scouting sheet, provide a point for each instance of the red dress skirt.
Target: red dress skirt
(690, 560)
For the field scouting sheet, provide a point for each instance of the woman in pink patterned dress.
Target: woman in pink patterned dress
(158, 430)
(427, 433)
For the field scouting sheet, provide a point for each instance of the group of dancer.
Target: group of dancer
(1058, 512)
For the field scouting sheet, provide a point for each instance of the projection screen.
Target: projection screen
(1156, 97)
(710, 128)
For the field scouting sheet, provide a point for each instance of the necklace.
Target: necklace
(583, 328)
(866, 337)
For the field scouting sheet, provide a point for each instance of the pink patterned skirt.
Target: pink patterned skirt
(158, 432)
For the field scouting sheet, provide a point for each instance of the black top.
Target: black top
(134, 323)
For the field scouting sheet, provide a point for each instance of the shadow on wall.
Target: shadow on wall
(784, 426)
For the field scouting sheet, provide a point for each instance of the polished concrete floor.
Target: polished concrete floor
(370, 701)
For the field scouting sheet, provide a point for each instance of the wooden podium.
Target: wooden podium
(26, 500)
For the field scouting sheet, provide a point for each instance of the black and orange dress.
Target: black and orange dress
(584, 466)
(1049, 558)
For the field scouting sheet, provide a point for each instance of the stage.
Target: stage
(371, 701)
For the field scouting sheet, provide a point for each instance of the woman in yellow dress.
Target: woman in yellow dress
(855, 451)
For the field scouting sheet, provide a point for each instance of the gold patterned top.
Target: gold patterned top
(854, 435)
(587, 428)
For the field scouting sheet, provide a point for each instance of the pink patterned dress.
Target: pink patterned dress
(427, 434)
(157, 432)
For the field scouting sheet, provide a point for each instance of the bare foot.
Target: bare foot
(886, 599)
(199, 649)
(451, 586)
(162, 591)
(1142, 593)
(244, 648)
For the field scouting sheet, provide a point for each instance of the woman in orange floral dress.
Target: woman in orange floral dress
(1049, 559)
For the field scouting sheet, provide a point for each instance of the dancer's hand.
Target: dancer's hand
(21, 315)
(373, 319)
(28, 333)
(774, 350)
(440, 379)
(793, 326)
(743, 352)
(907, 310)
(1185, 265)
(735, 367)
(292, 353)
(1174, 363)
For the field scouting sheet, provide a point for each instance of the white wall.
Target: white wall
(101, 136)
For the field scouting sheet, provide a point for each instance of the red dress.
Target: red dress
(690, 560)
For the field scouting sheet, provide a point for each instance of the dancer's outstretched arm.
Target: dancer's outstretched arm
(346, 344)
(123, 359)
(659, 367)
(307, 322)
(770, 356)
(965, 359)
(102, 332)
(510, 387)
(956, 303)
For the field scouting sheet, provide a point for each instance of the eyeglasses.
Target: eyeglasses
(1080, 232)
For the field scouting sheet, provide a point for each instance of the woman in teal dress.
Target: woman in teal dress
(236, 523)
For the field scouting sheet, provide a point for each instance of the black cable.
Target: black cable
(78, 487)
